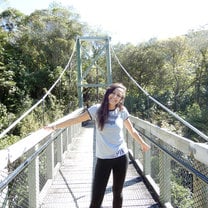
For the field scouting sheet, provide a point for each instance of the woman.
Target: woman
(111, 150)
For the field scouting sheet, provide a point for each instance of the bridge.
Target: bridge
(54, 169)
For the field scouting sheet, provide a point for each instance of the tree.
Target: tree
(179, 71)
(198, 42)
(32, 57)
(11, 19)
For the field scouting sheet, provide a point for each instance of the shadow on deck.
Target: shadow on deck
(71, 187)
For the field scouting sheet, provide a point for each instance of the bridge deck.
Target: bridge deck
(71, 187)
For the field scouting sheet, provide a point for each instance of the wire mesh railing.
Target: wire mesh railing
(26, 177)
(172, 168)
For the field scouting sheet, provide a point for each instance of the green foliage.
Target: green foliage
(8, 140)
(35, 51)
(5, 117)
(32, 56)
(12, 19)
(180, 197)
(172, 71)
(197, 116)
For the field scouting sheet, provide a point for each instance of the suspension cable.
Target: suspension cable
(42, 99)
(161, 105)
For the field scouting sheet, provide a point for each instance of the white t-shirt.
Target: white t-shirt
(110, 141)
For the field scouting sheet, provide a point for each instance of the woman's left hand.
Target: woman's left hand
(145, 147)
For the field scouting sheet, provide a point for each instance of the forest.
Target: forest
(35, 48)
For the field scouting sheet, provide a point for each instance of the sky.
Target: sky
(132, 21)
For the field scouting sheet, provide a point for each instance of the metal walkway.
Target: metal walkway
(71, 187)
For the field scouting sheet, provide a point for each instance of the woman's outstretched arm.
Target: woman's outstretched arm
(133, 132)
(71, 121)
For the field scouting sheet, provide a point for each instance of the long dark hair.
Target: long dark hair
(102, 114)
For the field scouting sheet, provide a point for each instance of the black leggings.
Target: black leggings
(102, 173)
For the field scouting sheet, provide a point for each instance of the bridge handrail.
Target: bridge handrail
(31, 159)
(34, 142)
(23, 157)
(187, 146)
(15, 151)
(170, 148)
(198, 150)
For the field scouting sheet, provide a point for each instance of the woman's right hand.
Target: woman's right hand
(50, 128)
